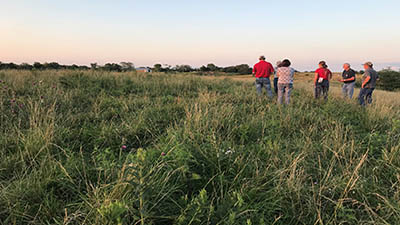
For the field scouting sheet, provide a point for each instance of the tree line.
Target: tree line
(209, 68)
(128, 66)
(123, 66)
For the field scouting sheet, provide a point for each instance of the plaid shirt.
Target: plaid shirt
(285, 75)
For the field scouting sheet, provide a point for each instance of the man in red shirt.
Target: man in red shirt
(262, 71)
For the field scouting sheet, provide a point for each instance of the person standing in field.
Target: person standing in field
(321, 81)
(262, 71)
(368, 85)
(278, 64)
(285, 81)
(349, 81)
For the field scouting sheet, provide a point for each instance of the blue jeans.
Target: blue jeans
(348, 90)
(276, 85)
(266, 83)
(365, 96)
(284, 89)
(322, 89)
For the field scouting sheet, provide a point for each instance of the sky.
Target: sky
(223, 32)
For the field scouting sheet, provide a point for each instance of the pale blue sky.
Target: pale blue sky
(199, 32)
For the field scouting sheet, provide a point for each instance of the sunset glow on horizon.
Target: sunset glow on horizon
(201, 32)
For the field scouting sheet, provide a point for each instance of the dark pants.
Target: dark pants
(322, 89)
(276, 85)
(365, 96)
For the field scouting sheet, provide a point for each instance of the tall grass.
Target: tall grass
(125, 148)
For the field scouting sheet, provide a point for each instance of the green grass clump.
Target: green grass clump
(122, 148)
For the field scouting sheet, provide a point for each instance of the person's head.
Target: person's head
(322, 64)
(368, 65)
(346, 66)
(262, 58)
(278, 64)
(285, 63)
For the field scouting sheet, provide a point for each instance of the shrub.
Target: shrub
(389, 80)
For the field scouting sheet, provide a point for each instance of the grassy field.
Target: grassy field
(384, 101)
(124, 148)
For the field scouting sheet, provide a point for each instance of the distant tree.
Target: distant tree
(389, 80)
(183, 68)
(361, 72)
(127, 66)
(212, 67)
(8, 66)
(230, 69)
(157, 68)
(84, 67)
(25, 66)
(204, 69)
(52, 65)
(38, 66)
(11, 66)
(243, 69)
(93, 66)
(167, 68)
(112, 67)
(72, 67)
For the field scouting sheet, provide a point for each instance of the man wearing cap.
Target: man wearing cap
(368, 84)
(262, 71)
(349, 81)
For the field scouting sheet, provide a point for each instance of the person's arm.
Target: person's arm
(349, 79)
(316, 78)
(367, 79)
(292, 73)
(329, 75)
(352, 78)
(341, 79)
(272, 69)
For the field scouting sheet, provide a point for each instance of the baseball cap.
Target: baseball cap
(368, 64)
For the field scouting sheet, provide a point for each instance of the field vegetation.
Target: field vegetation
(97, 147)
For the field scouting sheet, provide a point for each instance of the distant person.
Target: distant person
(285, 81)
(262, 71)
(349, 81)
(278, 64)
(368, 85)
(321, 81)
